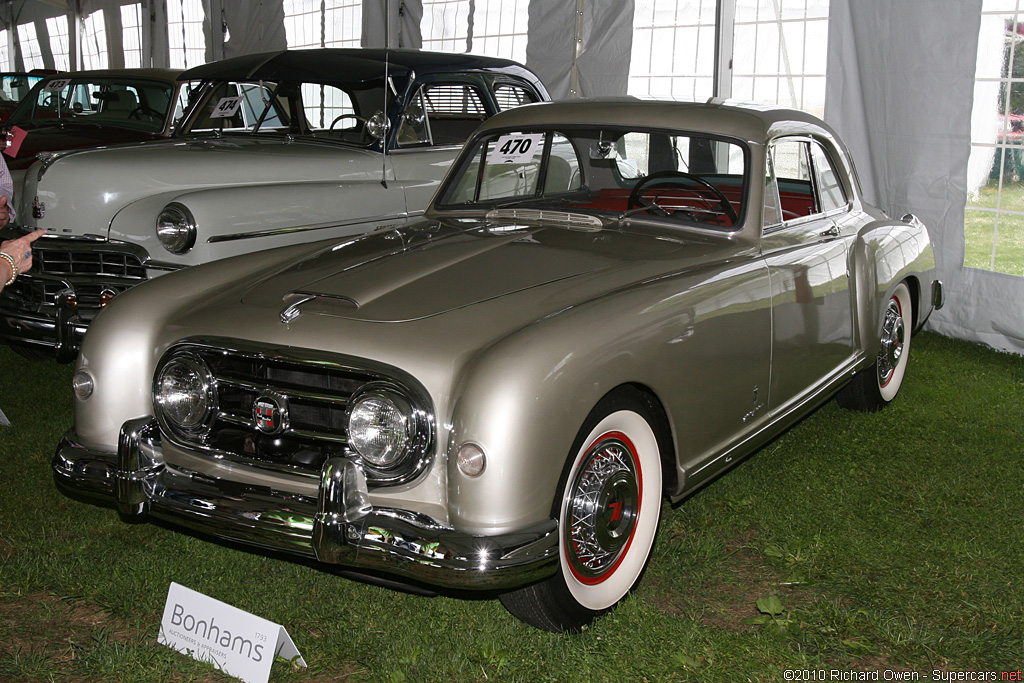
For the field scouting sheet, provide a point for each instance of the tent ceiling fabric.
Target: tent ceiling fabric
(910, 131)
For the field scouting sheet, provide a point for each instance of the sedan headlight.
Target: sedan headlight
(185, 394)
(386, 431)
(176, 228)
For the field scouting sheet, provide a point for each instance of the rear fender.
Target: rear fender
(885, 254)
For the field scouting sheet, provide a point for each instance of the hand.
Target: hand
(20, 249)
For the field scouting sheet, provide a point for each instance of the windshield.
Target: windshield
(14, 87)
(124, 102)
(340, 112)
(684, 177)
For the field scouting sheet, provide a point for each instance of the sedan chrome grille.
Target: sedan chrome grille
(95, 271)
(66, 262)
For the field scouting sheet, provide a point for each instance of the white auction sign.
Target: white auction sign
(236, 642)
(516, 148)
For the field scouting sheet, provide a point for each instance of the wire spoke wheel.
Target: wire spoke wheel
(608, 511)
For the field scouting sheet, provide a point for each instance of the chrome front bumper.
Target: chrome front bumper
(339, 527)
(61, 333)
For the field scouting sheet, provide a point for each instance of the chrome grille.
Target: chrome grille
(316, 388)
(70, 262)
(88, 268)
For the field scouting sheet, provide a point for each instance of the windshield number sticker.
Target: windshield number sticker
(227, 106)
(516, 149)
(56, 85)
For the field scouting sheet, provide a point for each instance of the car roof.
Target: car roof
(161, 74)
(347, 65)
(746, 121)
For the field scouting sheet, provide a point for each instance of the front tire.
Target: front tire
(875, 387)
(608, 511)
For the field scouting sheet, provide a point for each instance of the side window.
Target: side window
(442, 114)
(328, 107)
(830, 190)
(509, 95)
(791, 165)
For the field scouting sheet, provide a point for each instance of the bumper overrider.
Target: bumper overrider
(60, 329)
(338, 527)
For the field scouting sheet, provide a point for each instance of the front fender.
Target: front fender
(237, 220)
(524, 399)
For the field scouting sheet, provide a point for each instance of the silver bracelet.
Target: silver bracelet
(14, 269)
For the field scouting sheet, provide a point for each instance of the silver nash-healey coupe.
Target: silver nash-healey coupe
(609, 303)
(276, 149)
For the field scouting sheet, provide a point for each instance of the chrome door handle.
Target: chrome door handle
(834, 231)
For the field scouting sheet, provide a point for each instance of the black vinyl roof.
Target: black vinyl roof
(348, 65)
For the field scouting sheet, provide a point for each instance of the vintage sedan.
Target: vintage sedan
(277, 149)
(91, 109)
(609, 303)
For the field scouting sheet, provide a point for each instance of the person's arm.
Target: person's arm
(16, 255)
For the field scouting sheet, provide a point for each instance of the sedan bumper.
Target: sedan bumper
(338, 527)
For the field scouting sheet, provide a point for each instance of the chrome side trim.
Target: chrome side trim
(309, 228)
(332, 528)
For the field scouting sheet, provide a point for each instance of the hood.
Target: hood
(454, 268)
(54, 137)
(119, 176)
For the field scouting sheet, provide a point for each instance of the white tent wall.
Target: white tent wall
(910, 135)
(582, 48)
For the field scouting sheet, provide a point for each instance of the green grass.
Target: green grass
(980, 230)
(890, 541)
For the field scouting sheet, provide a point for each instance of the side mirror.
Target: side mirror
(377, 125)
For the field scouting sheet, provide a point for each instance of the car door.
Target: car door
(808, 257)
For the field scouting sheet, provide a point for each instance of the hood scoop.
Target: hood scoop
(297, 303)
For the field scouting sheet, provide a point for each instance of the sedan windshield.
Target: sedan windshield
(125, 102)
(333, 111)
(684, 177)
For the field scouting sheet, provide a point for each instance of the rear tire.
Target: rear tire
(608, 510)
(875, 387)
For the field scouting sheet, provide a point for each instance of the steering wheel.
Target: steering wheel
(346, 116)
(672, 178)
(141, 111)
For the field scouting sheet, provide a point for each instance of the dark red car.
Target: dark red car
(93, 108)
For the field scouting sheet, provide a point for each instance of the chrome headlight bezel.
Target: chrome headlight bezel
(176, 228)
(414, 421)
(197, 426)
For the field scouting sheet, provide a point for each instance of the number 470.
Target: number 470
(516, 146)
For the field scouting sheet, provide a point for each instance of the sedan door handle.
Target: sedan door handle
(834, 231)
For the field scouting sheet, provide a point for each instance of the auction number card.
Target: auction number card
(516, 148)
(226, 107)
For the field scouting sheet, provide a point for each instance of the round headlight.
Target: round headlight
(185, 393)
(176, 228)
(380, 428)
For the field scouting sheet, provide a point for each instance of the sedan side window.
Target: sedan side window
(509, 95)
(442, 114)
